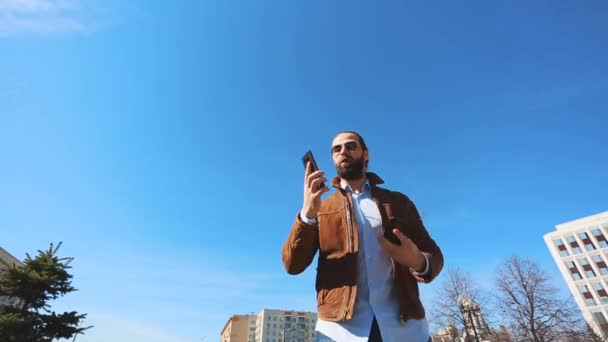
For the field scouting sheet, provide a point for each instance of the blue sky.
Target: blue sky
(161, 142)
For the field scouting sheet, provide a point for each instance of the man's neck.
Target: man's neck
(355, 184)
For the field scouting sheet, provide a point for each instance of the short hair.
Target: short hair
(361, 142)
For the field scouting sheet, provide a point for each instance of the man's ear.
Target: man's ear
(365, 156)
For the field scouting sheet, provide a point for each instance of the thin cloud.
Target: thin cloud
(36, 6)
(108, 327)
(42, 17)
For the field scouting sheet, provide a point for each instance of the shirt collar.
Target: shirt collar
(364, 189)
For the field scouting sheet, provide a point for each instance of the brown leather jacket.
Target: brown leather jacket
(335, 236)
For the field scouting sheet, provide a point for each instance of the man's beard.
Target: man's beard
(353, 171)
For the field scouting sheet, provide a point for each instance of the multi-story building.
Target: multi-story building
(580, 249)
(476, 328)
(271, 326)
(239, 328)
(448, 333)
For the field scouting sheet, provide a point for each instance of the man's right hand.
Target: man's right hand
(312, 193)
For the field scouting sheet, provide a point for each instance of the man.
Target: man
(367, 286)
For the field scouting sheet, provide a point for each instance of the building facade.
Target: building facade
(6, 257)
(475, 324)
(580, 250)
(238, 329)
(271, 326)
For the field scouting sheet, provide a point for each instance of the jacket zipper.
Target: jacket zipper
(349, 234)
(350, 227)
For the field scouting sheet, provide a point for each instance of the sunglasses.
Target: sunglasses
(349, 146)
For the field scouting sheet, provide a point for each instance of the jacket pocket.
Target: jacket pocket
(332, 233)
(330, 302)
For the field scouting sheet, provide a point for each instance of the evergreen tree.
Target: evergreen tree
(29, 288)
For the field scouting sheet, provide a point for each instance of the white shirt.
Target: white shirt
(375, 293)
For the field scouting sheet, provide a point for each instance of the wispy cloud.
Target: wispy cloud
(173, 292)
(43, 17)
(109, 327)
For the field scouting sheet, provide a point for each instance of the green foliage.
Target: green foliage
(31, 287)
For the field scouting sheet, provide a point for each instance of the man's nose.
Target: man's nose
(344, 151)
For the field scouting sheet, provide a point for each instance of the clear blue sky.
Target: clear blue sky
(161, 142)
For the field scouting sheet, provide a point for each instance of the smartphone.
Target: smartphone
(308, 157)
(393, 223)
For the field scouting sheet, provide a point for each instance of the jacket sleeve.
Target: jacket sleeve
(425, 243)
(301, 246)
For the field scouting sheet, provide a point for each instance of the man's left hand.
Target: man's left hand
(407, 254)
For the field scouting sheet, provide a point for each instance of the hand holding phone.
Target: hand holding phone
(309, 158)
(314, 186)
(393, 223)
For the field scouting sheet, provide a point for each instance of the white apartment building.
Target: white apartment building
(271, 326)
(580, 250)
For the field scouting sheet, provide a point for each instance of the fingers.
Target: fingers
(407, 254)
(307, 172)
(314, 176)
(404, 239)
(390, 247)
(317, 182)
(320, 192)
(400, 236)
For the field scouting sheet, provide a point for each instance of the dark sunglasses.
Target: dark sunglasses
(349, 146)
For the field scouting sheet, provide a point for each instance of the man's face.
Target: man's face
(348, 156)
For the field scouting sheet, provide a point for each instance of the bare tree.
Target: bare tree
(448, 308)
(532, 306)
(502, 335)
(592, 336)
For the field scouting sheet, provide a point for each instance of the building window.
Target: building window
(601, 320)
(589, 272)
(586, 241)
(586, 295)
(601, 265)
(599, 289)
(601, 239)
(561, 247)
(573, 270)
(574, 244)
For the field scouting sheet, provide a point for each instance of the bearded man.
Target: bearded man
(373, 252)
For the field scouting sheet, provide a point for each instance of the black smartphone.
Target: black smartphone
(393, 223)
(308, 157)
